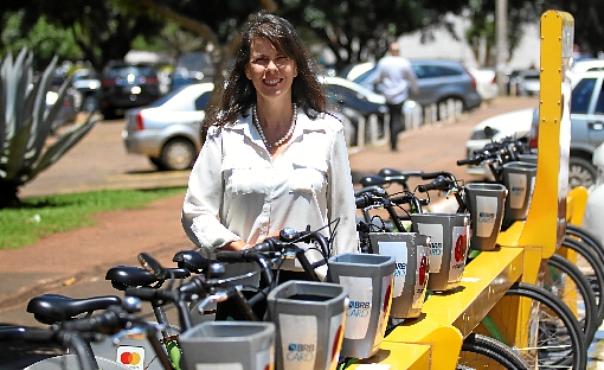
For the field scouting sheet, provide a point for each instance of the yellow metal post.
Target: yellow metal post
(543, 231)
(545, 224)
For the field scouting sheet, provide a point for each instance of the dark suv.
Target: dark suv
(126, 86)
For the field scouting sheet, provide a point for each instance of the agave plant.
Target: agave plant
(26, 124)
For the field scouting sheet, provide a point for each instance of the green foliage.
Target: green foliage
(25, 124)
(102, 30)
(359, 30)
(43, 38)
(41, 216)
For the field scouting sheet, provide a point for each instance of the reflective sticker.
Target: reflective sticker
(486, 211)
(360, 298)
(421, 279)
(385, 305)
(336, 337)
(435, 232)
(460, 238)
(517, 190)
(298, 341)
(132, 357)
(398, 250)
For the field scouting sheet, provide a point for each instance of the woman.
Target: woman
(272, 157)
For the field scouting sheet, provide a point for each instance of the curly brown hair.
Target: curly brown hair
(239, 94)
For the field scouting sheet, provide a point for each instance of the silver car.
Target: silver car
(167, 131)
(437, 80)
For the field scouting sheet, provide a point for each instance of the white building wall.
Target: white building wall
(444, 46)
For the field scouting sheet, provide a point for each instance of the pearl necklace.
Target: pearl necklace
(285, 137)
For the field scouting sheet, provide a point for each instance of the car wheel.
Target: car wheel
(157, 163)
(581, 172)
(178, 154)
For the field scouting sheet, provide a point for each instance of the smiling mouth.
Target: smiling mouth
(272, 82)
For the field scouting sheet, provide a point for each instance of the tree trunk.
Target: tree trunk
(8, 194)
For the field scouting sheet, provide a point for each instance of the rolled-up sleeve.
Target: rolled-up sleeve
(340, 197)
(203, 201)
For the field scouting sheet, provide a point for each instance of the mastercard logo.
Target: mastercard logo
(130, 358)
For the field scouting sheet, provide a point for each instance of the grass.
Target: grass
(41, 216)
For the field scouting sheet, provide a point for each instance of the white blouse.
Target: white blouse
(238, 192)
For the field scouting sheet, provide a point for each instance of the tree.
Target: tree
(43, 38)
(359, 30)
(481, 32)
(589, 22)
(102, 30)
(25, 125)
(217, 22)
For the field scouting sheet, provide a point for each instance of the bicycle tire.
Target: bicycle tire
(587, 238)
(493, 350)
(570, 354)
(596, 279)
(588, 322)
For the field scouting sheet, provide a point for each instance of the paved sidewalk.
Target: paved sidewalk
(74, 263)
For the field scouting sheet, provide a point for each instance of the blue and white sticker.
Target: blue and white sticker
(398, 250)
(517, 190)
(486, 212)
(360, 295)
(298, 341)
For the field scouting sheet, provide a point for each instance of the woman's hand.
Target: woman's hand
(236, 245)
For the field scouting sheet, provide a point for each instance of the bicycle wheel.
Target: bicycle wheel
(481, 352)
(592, 268)
(555, 338)
(566, 282)
(575, 232)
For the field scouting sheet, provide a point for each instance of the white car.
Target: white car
(517, 124)
(168, 130)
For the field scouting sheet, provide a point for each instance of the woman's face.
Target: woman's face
(271, 72)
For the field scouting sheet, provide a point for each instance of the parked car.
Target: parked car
(437, 80)
(167, 131)
(523, 82)
(126, 86)
(87, 83)
(67, 113)
(516, 123)
(357, 107)
(587, 126)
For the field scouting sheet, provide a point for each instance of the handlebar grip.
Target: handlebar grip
(399, 199)
(362, 201)
(465, 162)
(268, 245)
(432, 175)
(373, 189)
(230, 256)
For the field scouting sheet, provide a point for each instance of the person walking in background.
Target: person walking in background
(273, 156)
(395, 79)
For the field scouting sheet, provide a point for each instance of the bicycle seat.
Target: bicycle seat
(372, 180)
(52, 308)
(191, 260)
(123, 277)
